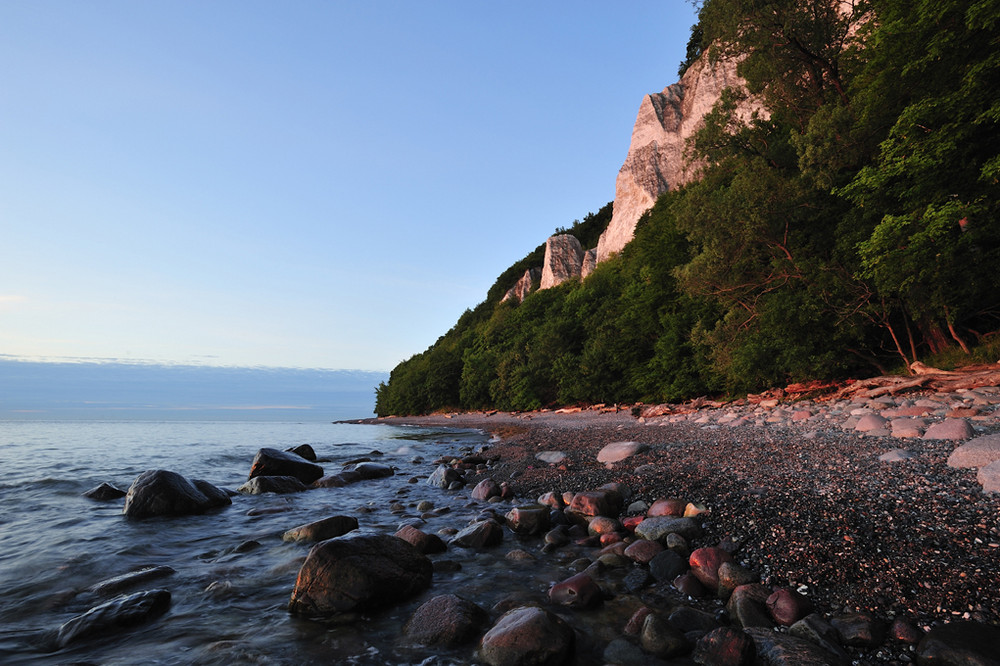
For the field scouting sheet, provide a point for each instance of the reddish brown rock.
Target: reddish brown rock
(724, 646)
(687, 584)
(705, 563)
(643, 550)
(446, 620)
(528, 635)
(580, 591)
(328, 528)
(788, 606)
(530, 519)
(593, 503)
(634, 624)
(667, 507)
(486, 489)
(428, 544)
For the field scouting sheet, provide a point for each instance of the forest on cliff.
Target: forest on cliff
(850, 228)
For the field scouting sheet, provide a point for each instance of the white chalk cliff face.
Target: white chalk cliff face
(655, 162)
(563, 260)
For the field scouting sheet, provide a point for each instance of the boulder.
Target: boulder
(618, 451)
(961, 643)
(551, 457)
(486, 489)
(444, 476)
(785, 650)
(372, 470)
(658, 527)
(858, 629)
(989, 477)
(105, 492)
(480, 534)
(950, 429)
(320, 530)
(159, 492)
(281, 485)
(358, 573)
(528, 635)
(660, 638)
(428, 544)
(817, 630)
(667, 507)
(788, 606)
(705, 563)
(977, 452)
(871, 423)
(563, 260)
(724, 646)
(595, 503)
(667, 565)
(113, 616)
(304, 451)
(529, 519)
(272, 462)
(446, 620)
(579, 591)
(643, 551)
(747, 606)
(731, 576)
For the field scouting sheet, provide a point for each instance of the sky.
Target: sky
(299, 184)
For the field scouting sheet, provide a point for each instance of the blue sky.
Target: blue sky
(298, 184)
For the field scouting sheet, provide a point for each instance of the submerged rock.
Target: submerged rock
(446, 620)
(320, 530)
(358, 573)
(259, 485)
(105, 492)
(160, 492)
(116, 584)
(114, 615)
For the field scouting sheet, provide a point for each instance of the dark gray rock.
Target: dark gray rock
(688, 619)
(724, 646)
(775, 649)
(859, 629)
(444, 476)
(667, 566)
(963, 643)
(372, 470)
(118, 583)
(259, 485)
(114, 616)
(105, 492)
(304, 451)
(817, 630)
(658, 527)
(480, 534)
(272, 462)
(446, 620)
(660, 638)
(320, 530)
(747, 606)
(358, 573)
(159, 492)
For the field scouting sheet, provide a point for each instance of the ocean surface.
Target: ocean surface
(228, 606)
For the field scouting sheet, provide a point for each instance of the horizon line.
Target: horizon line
(97, 360)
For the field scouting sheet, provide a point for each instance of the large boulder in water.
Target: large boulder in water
(446, 620)
(272, 462)
(259, 485)
(358, 573)
(158, 492)
(114, 615)
(528, 635)
(105, 492)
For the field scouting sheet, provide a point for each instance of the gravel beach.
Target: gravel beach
(799, 488)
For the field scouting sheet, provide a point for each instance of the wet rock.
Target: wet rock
(530, 519)
(372, 470)
(281, 485)
(784, 650)
(724, 646)
(705, 563)
(327, 528)
(428, 544)
(788, 606)
(977, 452)
(113, 616)
(557, 537)
(579, 591)
(637, 579)
(336, 480)
(747, 606)
(658, 527)
(621, 652)
(444, 477)
(552, 500)
(105, 492)
(358, 573)
(962, 643)
(643, 551)
(688, 585)
(528, 635)
(678, 544)
(446, 620)
(304, 451)
(480, 534)
(486, 489)
(731, 576)
(601, 525)
(817, 630)
(594, 503)
(858, 629)
(905, 632)
(689, 619)
(116, 584)
(634, 624)
(272, 462)
(518, 555)
(667, 565)
(950, 429)
(660, 638)
(162, 493)
(667, 507)
(618, 451)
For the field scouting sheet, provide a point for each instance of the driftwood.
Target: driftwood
(926, 378)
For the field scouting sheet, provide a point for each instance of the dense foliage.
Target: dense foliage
(850, 225)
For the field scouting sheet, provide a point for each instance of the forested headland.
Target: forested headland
(849, 229)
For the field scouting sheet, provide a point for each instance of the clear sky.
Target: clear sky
(299, 184)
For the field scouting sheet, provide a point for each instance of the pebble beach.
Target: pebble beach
(878, 507)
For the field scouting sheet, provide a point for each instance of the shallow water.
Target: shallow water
(227, 606)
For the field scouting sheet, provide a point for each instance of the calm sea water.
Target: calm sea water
(227, 607)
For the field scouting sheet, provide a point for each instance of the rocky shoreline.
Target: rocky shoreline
(870, 509)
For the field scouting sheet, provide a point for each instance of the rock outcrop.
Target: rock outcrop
(563, 260)
(655, 162)
(523, 286)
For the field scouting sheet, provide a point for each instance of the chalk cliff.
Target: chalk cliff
(655, 162)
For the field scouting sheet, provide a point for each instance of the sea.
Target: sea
(233, 574)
